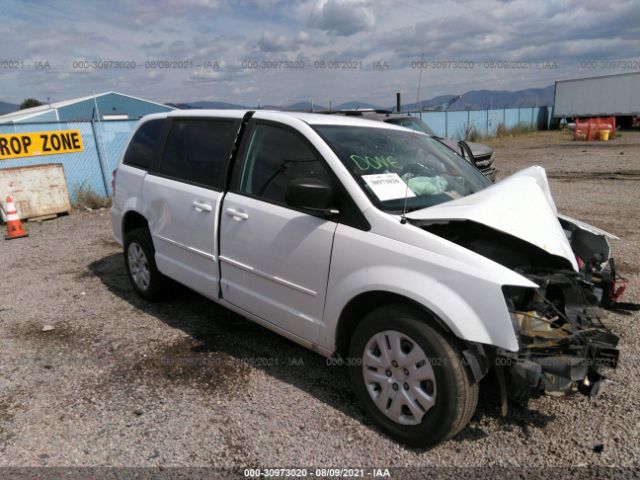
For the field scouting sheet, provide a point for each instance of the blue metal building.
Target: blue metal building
(99, 107)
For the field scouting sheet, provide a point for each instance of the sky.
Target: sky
(279, 52)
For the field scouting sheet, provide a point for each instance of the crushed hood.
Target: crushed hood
(520, 205)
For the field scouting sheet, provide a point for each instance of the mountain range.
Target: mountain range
(7, 107)
(472, 100)
(489, 99)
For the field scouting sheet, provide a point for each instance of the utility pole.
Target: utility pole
(420, 84)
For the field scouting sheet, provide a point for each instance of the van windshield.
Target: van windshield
(393, 165)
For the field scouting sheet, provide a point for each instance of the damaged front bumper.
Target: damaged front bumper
(564, 344)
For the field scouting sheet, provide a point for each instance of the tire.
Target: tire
(434, 402)
(140, 262)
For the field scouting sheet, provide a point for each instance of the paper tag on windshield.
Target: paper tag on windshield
(388, 186)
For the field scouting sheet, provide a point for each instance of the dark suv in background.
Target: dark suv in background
(483, 155)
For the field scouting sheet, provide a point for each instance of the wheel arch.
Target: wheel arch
(132, 220)
(365, 302)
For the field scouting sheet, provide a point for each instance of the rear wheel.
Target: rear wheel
(139, 258)
(410, 377)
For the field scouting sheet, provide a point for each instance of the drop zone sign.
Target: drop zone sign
(18, 145)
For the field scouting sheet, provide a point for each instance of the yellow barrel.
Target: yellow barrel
(603, 135)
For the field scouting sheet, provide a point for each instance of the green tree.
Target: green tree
(30, 102)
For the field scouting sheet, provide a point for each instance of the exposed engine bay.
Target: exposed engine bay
(564, 344)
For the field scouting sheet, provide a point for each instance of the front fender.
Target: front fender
(463, 290)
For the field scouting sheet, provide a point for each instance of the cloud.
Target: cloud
(342, 17)
(270, 42)
(243, 90)
(152, 45)
(227, 32)
(483, 30)
(206, 76)
(147, 12)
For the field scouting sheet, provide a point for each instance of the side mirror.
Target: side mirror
(310, 194)
(465, 152)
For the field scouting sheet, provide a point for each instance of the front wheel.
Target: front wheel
(410, 378)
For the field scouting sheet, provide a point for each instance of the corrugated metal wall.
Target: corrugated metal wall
(111, 104)
(94, 108)
(91, 168)
(598, 96)
(454, 124)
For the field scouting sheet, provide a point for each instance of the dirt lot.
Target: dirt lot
(121, 382)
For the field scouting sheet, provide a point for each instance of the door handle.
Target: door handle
(237, 214)
(202, 207)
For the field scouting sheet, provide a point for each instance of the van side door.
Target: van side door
(183, 193)
(274, 259)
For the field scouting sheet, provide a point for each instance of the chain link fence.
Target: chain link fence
(104, 142)
(486, 122)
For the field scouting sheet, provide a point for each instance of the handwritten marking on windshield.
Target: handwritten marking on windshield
(377, 162)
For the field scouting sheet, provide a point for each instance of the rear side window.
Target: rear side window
(143, 143)
(196, 151)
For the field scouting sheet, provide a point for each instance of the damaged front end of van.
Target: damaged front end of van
(564, 342)
(564, 345)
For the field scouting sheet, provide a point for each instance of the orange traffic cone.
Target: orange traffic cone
(14, 225)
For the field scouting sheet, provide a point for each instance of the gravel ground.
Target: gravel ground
(121, 382)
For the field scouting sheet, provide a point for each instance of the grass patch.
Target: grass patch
(86, 198)
(520, 129)
(472, 134)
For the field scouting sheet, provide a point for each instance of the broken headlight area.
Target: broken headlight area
(603, 286)
(608, 286)
(592, 254)
(564, 345)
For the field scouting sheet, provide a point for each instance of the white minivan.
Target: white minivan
(375, 245)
